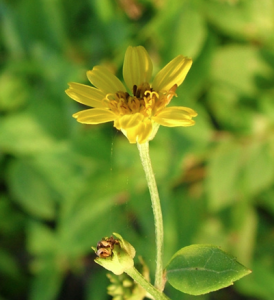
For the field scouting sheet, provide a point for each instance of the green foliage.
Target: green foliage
(200, 269)
(64, 186)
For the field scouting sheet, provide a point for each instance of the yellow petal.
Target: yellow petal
(175, 116)
(85, 94)
(139, 133)
(144, 132)
(104, 80)
(117, 124)
(173, 73)
(95, 116)
(137, 67)
(129, 121)
(130, 134)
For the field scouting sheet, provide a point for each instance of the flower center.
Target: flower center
(144, 100)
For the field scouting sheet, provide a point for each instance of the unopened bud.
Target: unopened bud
(115, 254)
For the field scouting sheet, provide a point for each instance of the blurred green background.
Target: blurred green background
(65, 185)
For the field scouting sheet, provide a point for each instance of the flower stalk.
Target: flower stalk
(155, 293)
(157, 212)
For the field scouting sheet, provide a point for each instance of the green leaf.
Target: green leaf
(190, 26)
(252, 20)
(41, 240)
(64, 170)
(259, 160)
(14, 93)
(8, 265)
(30, 190)
(223, 175)
(47, 283)
(232, 67)
(200, 269)
(22, 134)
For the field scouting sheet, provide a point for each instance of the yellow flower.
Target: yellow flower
(139, 113)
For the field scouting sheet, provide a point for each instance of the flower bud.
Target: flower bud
(115, 254)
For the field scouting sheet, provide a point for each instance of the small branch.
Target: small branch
(138, 278)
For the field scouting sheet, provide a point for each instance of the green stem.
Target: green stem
(157, 212)
(156, 294)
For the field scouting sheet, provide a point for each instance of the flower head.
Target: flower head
(138, 111)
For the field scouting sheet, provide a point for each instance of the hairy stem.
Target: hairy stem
(157, 212)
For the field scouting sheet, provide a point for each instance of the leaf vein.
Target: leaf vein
(201, 269)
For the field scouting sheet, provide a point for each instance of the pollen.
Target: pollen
(144, 100)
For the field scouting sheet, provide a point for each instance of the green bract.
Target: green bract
(200, 269)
